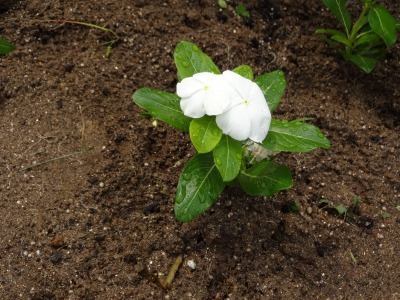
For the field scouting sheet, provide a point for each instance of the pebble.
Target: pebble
(191, 264)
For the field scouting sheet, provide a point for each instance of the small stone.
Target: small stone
(191, 264)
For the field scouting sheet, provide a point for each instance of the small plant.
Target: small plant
(364, 42)
(222, 4)
(6, 47)
(242, 11)
(341, 209)
(228, 117)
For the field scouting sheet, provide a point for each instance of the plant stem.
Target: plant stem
(356, 27)
(109, 43)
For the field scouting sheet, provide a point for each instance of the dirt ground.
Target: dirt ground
(87, 186)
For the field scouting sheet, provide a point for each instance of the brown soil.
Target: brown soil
(97, 222)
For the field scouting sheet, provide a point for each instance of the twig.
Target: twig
(109, 43)
(57, 158)
(171, 274)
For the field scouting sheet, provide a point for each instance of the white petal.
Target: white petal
(188, 87)
(242, 85)
(193, 106)
(235, 123)
(205, 77)
(260, 123)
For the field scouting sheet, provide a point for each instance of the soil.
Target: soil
(87, 185)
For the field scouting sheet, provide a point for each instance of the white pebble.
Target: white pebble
(191, 264)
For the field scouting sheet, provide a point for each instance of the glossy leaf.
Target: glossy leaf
(189, 60)
(294, 136)
(341, 39)
(366, 64)
(383, 24)
(163, 106)
(337, 7)
(199, 186)
(244, 71)
(6, 47)
(273, 86)
(367, 39)
(228, 157)
(205, 134)
(265, 179)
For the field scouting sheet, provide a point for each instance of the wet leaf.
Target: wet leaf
(265, 179)
(163, 106)
(199, 186)
(204, 134)
(294, 136)
(273, 86)
(189, 60)
(228, 157)
(244, 71)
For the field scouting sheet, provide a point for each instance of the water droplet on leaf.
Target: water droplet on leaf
(239, 156)
(187, 176)
(180, 195)
(185, 64)
(218, 161)
(195, 48)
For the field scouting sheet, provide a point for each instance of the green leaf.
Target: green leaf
(397, 25)
(383, 24)
(360, 24)
(242, 11)
(244, 71)
(341, 39)
(294, 136)
(273, 86)
(199, 186)
(163, 106)
(366, 64)
(337, 7)
(189, 60)
(367, 39)
(222, 4)
(6, 47)
(228, 157)
(330, 32)
(265, 179)
(341, 209)
(205, 134)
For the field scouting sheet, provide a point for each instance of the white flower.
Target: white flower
(248, 115)
(204, 93)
